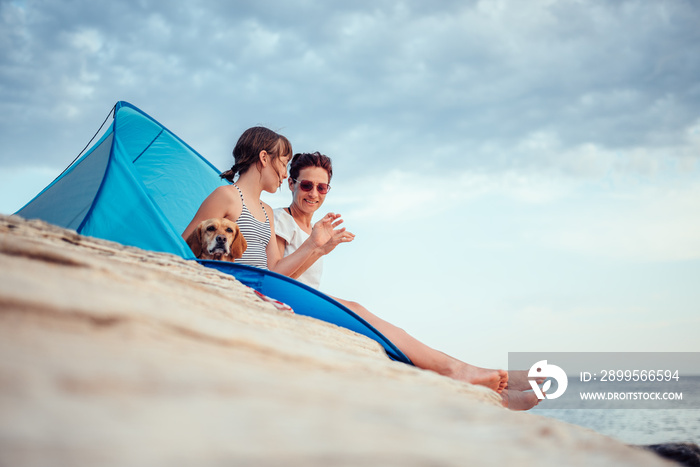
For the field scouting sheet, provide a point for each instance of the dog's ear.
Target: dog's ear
(238, 245)
(195, 241)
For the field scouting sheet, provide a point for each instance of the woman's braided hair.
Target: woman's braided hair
(250, 144)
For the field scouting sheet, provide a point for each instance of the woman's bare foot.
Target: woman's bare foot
(492, 379)
(518, 380)
(519, 400)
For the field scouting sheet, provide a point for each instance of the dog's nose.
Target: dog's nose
(220, 239)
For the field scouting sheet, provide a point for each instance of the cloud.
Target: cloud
(391, 81)
(644, 225)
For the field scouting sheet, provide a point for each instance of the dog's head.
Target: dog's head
(219, 239)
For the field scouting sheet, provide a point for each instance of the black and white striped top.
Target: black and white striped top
(257, 234)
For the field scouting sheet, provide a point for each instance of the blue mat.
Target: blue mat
(305, 301)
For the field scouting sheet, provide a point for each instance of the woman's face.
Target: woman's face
(308, 201)
(277, 173)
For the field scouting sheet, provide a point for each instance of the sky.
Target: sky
(520, 176)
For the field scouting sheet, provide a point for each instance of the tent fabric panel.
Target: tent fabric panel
(67, 200)
(135, 130)
(177, 181)
(123, 212)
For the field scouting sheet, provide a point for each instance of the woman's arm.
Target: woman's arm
(290, 265)
(336, 236)
(310, 260)
(315, 255)
(324, 238)
(220, 203)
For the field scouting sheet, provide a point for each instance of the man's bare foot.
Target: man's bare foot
(492, 379)
(518, 380)
(519, 400)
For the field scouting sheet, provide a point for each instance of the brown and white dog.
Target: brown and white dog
(218, 239)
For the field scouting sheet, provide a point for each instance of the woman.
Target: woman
(309, 182)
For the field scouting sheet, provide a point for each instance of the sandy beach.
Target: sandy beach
(115, 356)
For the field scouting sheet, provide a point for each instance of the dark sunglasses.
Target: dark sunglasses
(307, 185)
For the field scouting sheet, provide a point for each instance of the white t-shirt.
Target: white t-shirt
(287, 228)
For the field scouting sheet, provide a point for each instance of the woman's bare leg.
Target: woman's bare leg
(428, 358)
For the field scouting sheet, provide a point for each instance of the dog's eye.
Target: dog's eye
(229, 230)
(211, 228)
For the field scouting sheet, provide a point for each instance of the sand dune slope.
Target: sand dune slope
(113, 356)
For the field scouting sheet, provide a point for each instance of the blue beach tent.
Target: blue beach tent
(140, 185)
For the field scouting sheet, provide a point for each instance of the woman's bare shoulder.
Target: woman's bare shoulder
(224, 200)
(226, 190)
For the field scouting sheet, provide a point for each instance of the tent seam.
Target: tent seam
(149, 144)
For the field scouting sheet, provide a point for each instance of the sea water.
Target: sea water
(635, 426)
(638, 426)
